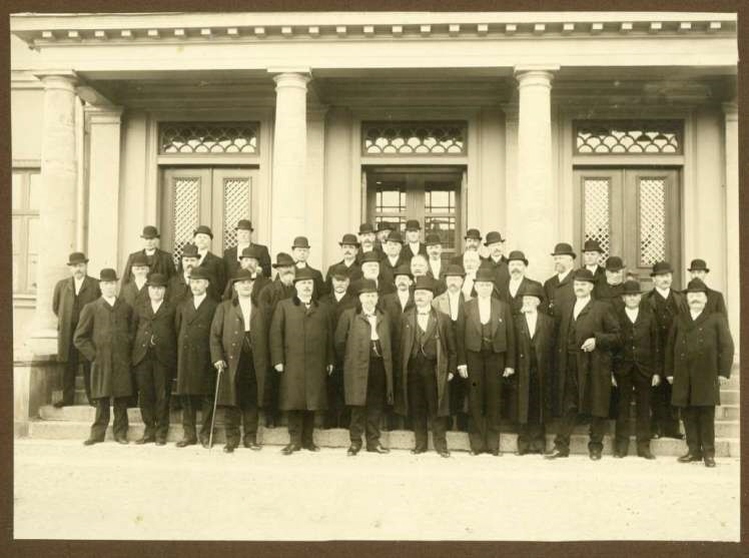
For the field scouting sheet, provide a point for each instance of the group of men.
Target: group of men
(395, 334)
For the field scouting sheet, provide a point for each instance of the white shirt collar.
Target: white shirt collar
(77, 284)
(663, 292)
(454, 301)
(403, 296)
(110, 300)
(156, 305)
(531, 318)
(632, 313)
(140, 283)
(485, 308)
(197, 300)
(338, 297)
(592, 268)
(563, 276)
(580, 303)
(695, 314)
(150, 252)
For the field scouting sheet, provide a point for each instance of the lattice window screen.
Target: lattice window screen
(596, 195)
(414, 138)
(652, 217)
(186, 212)
(236, 207)
(208, 137)
(593, 137)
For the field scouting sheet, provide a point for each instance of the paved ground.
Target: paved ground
(65, 490)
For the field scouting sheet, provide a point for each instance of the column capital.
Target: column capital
(511, 110)
(535, 74)
(290, 74)
(731, 110)
(103, 114)
(57, 79)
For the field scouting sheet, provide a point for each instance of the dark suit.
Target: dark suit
(407, 253)
(501, 276)
(558, 293)
(458, 385)
(354, 271)
(160, 262)
(391, 306)
(134, 296)
(387, 271)
(217, 271)
(231, 261)
(320, 287)
(716, 303)
(177, 290)
(154, 365)
(516, 302)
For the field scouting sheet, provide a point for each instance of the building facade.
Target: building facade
(547, 127)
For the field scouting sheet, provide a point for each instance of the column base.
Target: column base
(43, 342)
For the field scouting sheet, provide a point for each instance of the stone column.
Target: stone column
(534, 192)
(289, 159)
(104, 186)
(57, 205)
(733, 285)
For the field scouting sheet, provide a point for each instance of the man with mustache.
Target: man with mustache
(157, 260)
(233, 256)
(135, 293)
(715, 303)
(592, 253)
(179, 285)
(393, 258)
(610, 288)
(384, 228)
(202, 237)
(558, 288)
(367, 237)
(517, 264)
(249, 260)
(471, 243)
(472, 262)
(371, 269)
(413, 244)
(496, 261)
(300, 251)
(435, 268)
(349, 246)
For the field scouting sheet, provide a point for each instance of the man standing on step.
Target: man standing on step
(497, 262)
(392, 259)
(210, 262)
(239, 351)
(471, 243)
(587, 333)
(135, 292)
(367, 237)
(196, 377)
(384, 228)
(349, 245)
(517, 264)
(104, 335)
(232, 256)
(413, 245)
(69, 298)
(249, 260)
(157, 260)
(715, 303)
(302, 353)
(636, 367)
(178, 288)
(154, 359)
(300, 252)
(362, 340)
(558, 288)
(592, 253)
(699, 356)
(610, 288)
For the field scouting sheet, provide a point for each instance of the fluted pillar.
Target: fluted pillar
(289, 159)
(733, 284)
(58, 202)
(534, 192)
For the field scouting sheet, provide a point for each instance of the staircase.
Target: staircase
(74, 422)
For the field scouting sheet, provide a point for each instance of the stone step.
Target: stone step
(398, 439)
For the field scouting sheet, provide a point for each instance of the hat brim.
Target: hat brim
(632, 293)
(277, 265)
(518, 260)
(592, 281)
(705, 269)
(243, 229)
(662, 272)
(156, 284)
(454, 275)
(615, 268)
(78, 262)
(357, 244)
(574, 256)
(150, 236)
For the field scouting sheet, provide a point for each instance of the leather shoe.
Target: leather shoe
(689, 458)
(184, 442)
(556, 454)
(521, 452)
(646, 453)
(474, 452)
(496, 453)
(60, 404)
(619, 454)
(675, 435)
(229, 448)
(312, 447)
(252, 445)
(92, 441)
(378, 449)
(709, 461)
(160, 442)
(204, 442)
(443, 453)
(417, 451)
(145, 440)
(353, 450)
(595, 455)
(121, 440)
(291, 448)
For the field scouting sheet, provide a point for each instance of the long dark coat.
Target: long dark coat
(217, 271)
(501, 276)
(260, 282)
(387, 271)
(272, 294)
(716, 303)
(593, 368)
(231, 262)
(352, 342)
(63, 305)
(516, 302)
(227, 336)
(105, 337)
(195, 372)
(641, 344)
(559, 294)
(134, 297)
(177, 290)
(302, 340)
(469, 330)
(447, 357)
(543, 343)
(161, 262)
(697, 352)
(157, 329)
(665, 314)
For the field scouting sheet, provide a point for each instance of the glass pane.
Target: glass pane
(439, 199)
(17, 191)
(35, 184)
(31, 274)
(236, 206)
(17, 241)
(390, 198)
(652, 230)
(628, 136)
(444, 227)
(209, 137)
(399, 221)
(33, 235)
(409, 138)
(186, 211)
(597, 214)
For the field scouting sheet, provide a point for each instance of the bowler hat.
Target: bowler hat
(614, 263)
(203, 229)
(592, 245)
(413, 225)
(563, 249)
(698, 265)
(433, 239)
(660, 268)
(370, 256)
(584, 274)
(492, 237)
(340, 272)
(402, 270)
(190, 251)
(366, 286)
(242, 275)
(485, 274)
(631, 287)
(395, 236)
(300, 242)
(425, 283)
(454, 270)
(156, 280)
(531, 288)
(250, 252)
(349, 239)
(283, 260)
(385, 226)
(365, 228)
(149, 231)
(304, 274)
(108, 274)
(696, 286)
(77, 258)
(140, 260)
(244, 225)
(200, 273)
(518, 256)
(473, 233)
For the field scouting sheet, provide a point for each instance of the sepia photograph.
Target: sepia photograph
(375, 275)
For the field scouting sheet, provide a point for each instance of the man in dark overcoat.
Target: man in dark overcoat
(392, 258)
(384, 228)
(69, 298)
(104, 335)
(157, 260)
(196, 376)
(413, 244)
(362, 340)
(349, 245)
(486, 355)
(155, 359)
(610, 288)
(591, 255)
(232, 256)
(367, 239)
(300, 250)
(471, 243)
(301, 347)
(558, 288)
(239, 351)
(497, 262)
(135, 292)
(249, 260)
(587, 333)
(517, 265)
(699, 356)
(715, 302)
(636, 367)
(178, 288)
(212, 264)
(535, 335)
(427, 356)
(665, 303)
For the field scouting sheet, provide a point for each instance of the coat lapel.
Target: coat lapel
(495, 317)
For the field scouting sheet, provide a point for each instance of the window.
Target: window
(414, 138)
(630, 137)
(208, 137)
(25, 214)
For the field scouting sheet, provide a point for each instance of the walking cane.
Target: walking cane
(215, 403)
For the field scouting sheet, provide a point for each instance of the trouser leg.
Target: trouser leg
(308, 428)
(144, 378)
(356, 426)
(375, 401)
(101, 420)
(231, 424)
(476, 388)
(120, 417)
(535, 431)
(642, 387)
(68, 375)
(439, 427)
(294, 420)
(570, 402)
(493, 381)
(189, 412)
(206, 402)
(418, 408)
(597, 430)
(690, 416)
(626, 386)
(707, 430)
(248, 398)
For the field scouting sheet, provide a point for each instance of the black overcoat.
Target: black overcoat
(641, 344)
(195, 372)
(68, 313)
(469, 330)
(177, 290)
(558, 293)
(155, 331)
(231, 262)
(543, 343)
(161, 262)
(134, 297)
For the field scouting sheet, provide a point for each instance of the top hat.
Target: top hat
(425, 283)
(614, 263)
(370, 256)
(242, 275)
(454, 270)
(200, 273)
(696, 286)
(108, 274)
(698, 265)
(660, 268)
(340, 272)
(250, 252)
(190, 251)
(203, 229)
(156, 280)
(433, 239)
(349, 239)
(385, 226)
(283, 260)
(365, 228)
(492, 237)
(631, 287)
(517, 255)
(140, 260)
(366, 286)
(531, 288)
(149, 231)
(584, 274)
(563, 249)
(413, 225)
(304, 274)
(473, 233)
(592, 245)
(300, 242)
(486, 274)
(244, 225)
(77, 258)
(395, 236)
(402, 270)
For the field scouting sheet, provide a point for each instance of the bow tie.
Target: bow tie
(423, 313)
